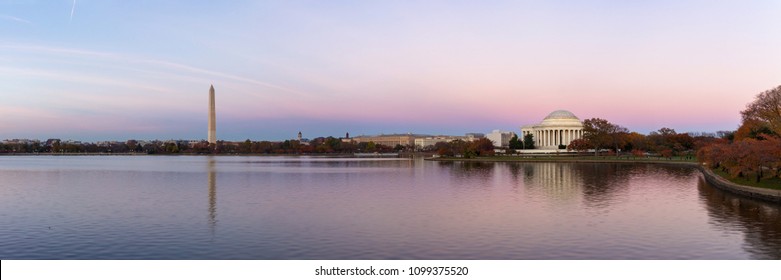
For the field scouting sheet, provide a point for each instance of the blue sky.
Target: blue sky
(103, 70)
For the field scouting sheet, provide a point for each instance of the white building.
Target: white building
(500, 138)
(472, 136)
(558, 128)
(422, 143)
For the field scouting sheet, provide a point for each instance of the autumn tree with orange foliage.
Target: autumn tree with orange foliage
(752, 128)
(601, 134)
(479, 147)
(579, 145)
(636, 141)
(756, 149)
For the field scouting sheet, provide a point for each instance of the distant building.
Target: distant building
(190, 143)
(433, 140)
(21, 141)
(474, 135)
(425, 142)
(558, 128)
(701, 134)
(500, 138)
(390, 140)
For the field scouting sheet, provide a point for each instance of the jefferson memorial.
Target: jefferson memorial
(559, 127)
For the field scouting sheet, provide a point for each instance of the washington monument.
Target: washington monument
(212, 118)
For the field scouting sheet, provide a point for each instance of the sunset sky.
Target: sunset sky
(115, 70)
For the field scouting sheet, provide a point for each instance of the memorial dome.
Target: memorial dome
(561, 114)
(561, 118)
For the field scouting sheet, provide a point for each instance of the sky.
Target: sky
(114, 70)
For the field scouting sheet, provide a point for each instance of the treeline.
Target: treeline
(55, 146)
(461, 148)
(754, 150)
(601, 135)
(320, 145)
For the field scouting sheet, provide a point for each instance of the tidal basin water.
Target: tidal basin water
(201, 207)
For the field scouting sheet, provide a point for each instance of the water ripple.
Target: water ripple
(314, 208)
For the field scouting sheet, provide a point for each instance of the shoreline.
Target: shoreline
(753, 192)
(155, 155)
(714, 179)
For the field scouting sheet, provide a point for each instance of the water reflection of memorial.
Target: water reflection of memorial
(598, 184)
(595, 183)
(554, 180)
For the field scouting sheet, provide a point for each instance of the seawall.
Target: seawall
(754, 192)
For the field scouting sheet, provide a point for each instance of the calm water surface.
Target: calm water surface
(190, 207)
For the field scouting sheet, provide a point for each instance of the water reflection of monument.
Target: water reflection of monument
(212, 182)
(597, 184)
(554, 179)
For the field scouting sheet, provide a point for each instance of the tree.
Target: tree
(724, 134)
(528, 141)
(602, 134)
(766, 109)
(752, 128)
(482, 147)
(203, 147)
(580, 145)
(443, 149)
(115, 148)
(667, 139)
(334, 144)
(479, 147)
(132, 145)
(683, 140)
(636, 141)
(774, 145)
(460, 147)
(371, 147)
(171, 147)
(619, 137)
(245, 147)
(665, 131)
(56, 146)
(515, 143)
(668, 153)
(267, 147)
(748, 157)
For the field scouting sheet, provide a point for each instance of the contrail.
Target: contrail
(72, 9)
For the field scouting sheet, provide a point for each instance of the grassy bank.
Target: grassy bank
(768, 183)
